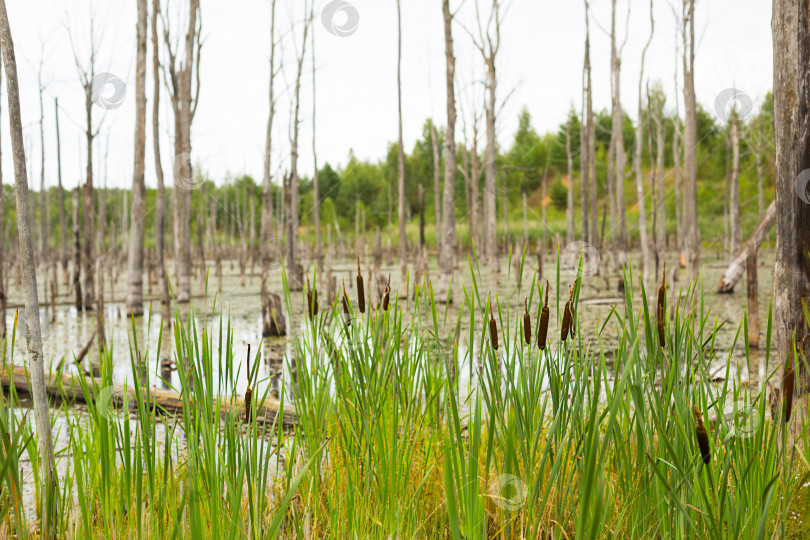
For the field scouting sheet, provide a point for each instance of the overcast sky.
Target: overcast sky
(539, 66)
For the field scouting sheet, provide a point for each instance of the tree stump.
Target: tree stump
(274, 323)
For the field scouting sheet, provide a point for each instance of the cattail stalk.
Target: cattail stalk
(361, 296)
(527, 323)
(249, 392)
(493, 327)
(568, 324)
(309, 300)
(702, 437)
(662, 292)
(542, 333)
(387, 294)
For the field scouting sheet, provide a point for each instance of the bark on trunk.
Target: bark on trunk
(403, 255)
(642, 212)
(134, 301)
(617, 158)
(734, 190)
(33, 335)
(267, 188)
(160, 203)
(88, 287)
(63, 254)
(316, 201)
(691, 230)
(569, 236)
(791, 106)
(591, 129)
(437, 186)
(77, 252)
(448, 243)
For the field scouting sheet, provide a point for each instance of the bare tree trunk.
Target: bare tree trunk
(734, 196)
(569, 234)
(316, 200)
(134, 301)
(642, 212)
(437, 193)
(791, 96)
(620, 158)
(77, 252)
(488, 45)
(583, 135)
(591, 129)
(691, 231)
(448, 244)
(657, 113)
(267, 188)
(63, 257)
(292, 217)
(89, 206)
(403, 254)
(3, 241)
(43, 192)
(160, 203)
(33, 335)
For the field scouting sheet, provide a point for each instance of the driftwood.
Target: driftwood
(67, 385)
(737, 267)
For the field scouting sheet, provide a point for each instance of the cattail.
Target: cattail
(346, 305)
(249, 392)
(315, 301)
(387, 294)
(309, 300)
(527, 323)
(788, 381)
(568, 316)
(702, 437)
(662, 339)
(543, 331)
(361, 295)
(493, 329)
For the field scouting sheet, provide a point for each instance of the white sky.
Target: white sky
(539, 66)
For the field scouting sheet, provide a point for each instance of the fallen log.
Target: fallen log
(67, 385)
(737, 267)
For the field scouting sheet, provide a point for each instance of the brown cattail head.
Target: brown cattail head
(346, 304)
(493, 328)
(361, 293)
(788, 382)
(527, 323)
(662, 338)
(387, 294)
(702, 437)
(568, 316)
(315, 302)
(542, 332)
(309, 300)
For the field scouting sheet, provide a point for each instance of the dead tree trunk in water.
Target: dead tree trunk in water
(642, 213)
(437, 194)
(134, 302)
(791, 96)
(184, 105)
(691, 230)
(591, 135)
(617, 158)
(448, 242)
(316, 200)
(3, 240)
(63, 257)
(33, 335)
(403, 250)
(267, 189)
(734, 195)
(77, 252)
(160, 203)
(292, 217)
(569, 160)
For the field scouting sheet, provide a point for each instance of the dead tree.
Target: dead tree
(437, 194)
(33, 334)
(488, 43)
(734, 188)
(43, 192)
(316, 200)
(448, 232)
(403, 253)
(63, 256)
(292, 218)
(184, 96)
(569, 160)
(642, 213)
(134, 301)
(267, 189)
(617, 159)
(735, 270)
(2, 242)
(691, 230)
(160, 203)
(655, 103)
(92, 89)
(589, 143)
(791, 95)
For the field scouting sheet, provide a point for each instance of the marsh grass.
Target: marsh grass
(566, 441)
